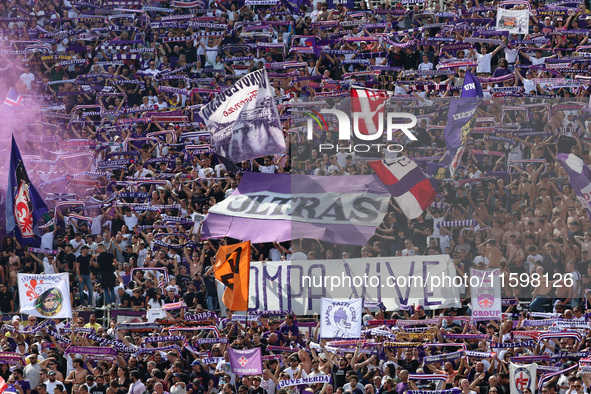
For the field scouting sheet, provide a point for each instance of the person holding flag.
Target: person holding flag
(24, 205)
(460, 120)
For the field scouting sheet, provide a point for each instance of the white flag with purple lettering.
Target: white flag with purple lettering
(341, 318)
(485, 289)
(243, 119)
(45, 295)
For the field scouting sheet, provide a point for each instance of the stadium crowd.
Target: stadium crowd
(113, 90)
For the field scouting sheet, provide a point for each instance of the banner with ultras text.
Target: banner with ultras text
(300, 285)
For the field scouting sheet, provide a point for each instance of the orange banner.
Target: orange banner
(232, 268)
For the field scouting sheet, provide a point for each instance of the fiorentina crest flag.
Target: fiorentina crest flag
(246, 362)
(461, 120)
(243, 120)
(408, 185)
(522, 377)
(486, 297)
(24, 206)
(232, 268)
(46, 296)
(341, 318)
(579, 176)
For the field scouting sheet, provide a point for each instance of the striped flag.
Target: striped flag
(13, 99)
(406, 183)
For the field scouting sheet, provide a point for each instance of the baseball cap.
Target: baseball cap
(196, 362)
(52, 373)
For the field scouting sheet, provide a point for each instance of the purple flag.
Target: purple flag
(460, 120)
(579, 176)
(472, 87)
(282, 207)
(294, 5)
(246, 362)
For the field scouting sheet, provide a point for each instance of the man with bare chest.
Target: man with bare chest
(78, 375)
(491, 250)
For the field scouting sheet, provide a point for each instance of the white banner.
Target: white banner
(300, 285)
(522, 377)
(363, 209)
(485, 290)
(513, 21)
(45, 295)
(243, 119)
(341, 318)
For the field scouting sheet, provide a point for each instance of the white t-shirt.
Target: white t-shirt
(275, 254)
(483, 62)
(96, 225)
(445, 242)
(511, 55)
(47, 240)
(224, 366)
(48, 267)
(529, 85)
(299, 256)
(408, 252)
(130, 221)
(154, 304)
(291, 372)
(268, 169)
(536, 62)
(269, 385)
(51, 386)
(75, 244)
(426, 66)
(27, 79)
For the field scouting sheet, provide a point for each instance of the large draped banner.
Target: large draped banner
(281, 207)
(243, 119)
(45, 295)
(300, 285)
(485, 290)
